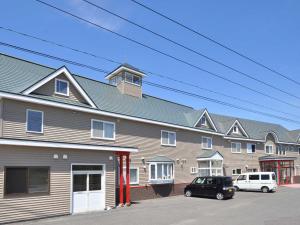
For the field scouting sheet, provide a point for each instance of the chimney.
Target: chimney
(127, 79)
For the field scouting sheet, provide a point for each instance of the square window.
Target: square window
(269, 149)
(207, 142)
(61, 87)
(236, 171)
(162, 172)
(103, 130)
(251, 148)
(133, 174)
(34, 121)
(168, 138)
(236, 147)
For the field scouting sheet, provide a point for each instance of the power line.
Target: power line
(166, 54)
(149, 72)
(218, 43)
(153, 84)
(191, 50)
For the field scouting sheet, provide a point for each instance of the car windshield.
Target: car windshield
(227, 181)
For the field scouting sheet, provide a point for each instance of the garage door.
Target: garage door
(88, 188)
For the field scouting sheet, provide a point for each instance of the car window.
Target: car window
(210, 180)
(242, 177)
(254, 177)
(200, 180)
(265, 177)
(228, 181)
(273, 177)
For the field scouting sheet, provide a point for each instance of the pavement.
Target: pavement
(247, 208)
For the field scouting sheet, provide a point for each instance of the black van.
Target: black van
(219, 187)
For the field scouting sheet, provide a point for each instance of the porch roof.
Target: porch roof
(160, 158)
(276, 157)
(210, 155)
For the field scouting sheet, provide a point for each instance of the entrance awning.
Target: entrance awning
(210, 155)
(276, 158)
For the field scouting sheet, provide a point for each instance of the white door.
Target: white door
(242, 181)
(254, 182)
(88, 191)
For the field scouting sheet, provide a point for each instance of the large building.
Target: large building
(70, 144)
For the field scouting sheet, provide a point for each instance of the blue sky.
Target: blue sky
(268, 31)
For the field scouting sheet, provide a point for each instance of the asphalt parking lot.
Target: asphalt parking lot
(247, 208)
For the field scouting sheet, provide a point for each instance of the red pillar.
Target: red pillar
(278, 169)
(121, 181)
(127, 180)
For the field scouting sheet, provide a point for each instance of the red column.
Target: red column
(121, 181)
(278, 169)
(127, 180)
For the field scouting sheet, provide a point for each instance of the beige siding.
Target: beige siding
(49, 90)
(58, 202)
(130, 89)
(1, 117)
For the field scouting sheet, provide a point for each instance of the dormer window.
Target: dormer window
(203, 121)
(61, 87)
(133, 79)
(235, 130)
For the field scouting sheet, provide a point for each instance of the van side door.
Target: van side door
(210, 186)
(254, 182)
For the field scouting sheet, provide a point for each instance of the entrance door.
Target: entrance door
(88, 191)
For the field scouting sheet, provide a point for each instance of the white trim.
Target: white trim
(104, 182)
(251, 149)
(64, 145)
(163, 163)
(209, 118)
(274, 135)
(192, 168)
(236, 143)
(59, 93)
(42, 125)
(243, 139)
(272, 149)
(137, 176)
(202, 142)
(236, 122)
(98, 112)
(103, 121)
(113, 73)
(161, 139)
(56, 73)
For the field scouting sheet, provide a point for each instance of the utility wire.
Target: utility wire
(191, 50)
(218, 43)
(154, 84)
(166, 54)
(148, 72)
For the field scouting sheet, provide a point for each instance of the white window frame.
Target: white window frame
(169, 132)
(280, 151)
(155, 164)
(236, 143)
(132, 75)
(235, 129)
(204, 147)
(68, 87)
(193, 170)
(42, 128)
(271, 148)
(251, 148)
(137, 176)
(235, 173)
(103, 121)
(205, 121)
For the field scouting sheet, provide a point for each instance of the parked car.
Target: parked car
(219, 187)
(263, 181)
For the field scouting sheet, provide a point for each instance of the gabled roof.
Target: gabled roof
(211, 122)
(210, 154)
(17, 75)
(125, 67)
(51, 76)
(160, 158)
(237, 123)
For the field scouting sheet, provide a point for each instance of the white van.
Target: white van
(264, 181)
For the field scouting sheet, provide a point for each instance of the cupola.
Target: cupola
(127, 79)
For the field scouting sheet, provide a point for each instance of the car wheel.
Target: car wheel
(220, 196)
(236, 188)
(188, 193)
(265, 189)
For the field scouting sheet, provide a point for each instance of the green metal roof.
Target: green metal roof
(16, 75)
(160, 158)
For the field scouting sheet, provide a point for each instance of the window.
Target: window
(193, 170)
(265, 177)
(251, 148)
(269, 149)
(253, 177)
(130, 78)
(251, 170)
(298, 151)
(34, 120)
(207, 142)
(235, 129)
(242, 177)
(199, 180)
(134, 175)
(103, 130)
(280, 150)
(236, 147)
(26, 180)
(61, 87)
(168, 138)
(203, 121)
(236, 171)
(161, 172)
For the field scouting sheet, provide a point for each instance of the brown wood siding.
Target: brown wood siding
(49, 90)
(13, 208)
